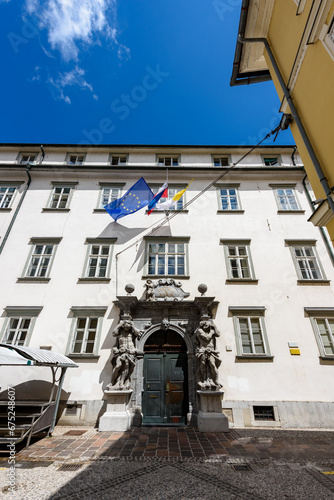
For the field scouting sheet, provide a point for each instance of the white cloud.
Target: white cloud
(74, 77)
(73, 22)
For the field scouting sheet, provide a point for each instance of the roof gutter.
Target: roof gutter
(294, 112)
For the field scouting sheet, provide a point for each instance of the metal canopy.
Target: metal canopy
(17, 355)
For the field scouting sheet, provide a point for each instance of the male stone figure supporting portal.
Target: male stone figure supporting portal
(207, 356)
(124, 358)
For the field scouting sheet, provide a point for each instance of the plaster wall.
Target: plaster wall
(285, 378)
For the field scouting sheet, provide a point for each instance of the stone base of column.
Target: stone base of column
(210, 416)
(117, 417)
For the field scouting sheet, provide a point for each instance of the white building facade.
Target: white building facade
(268, 271)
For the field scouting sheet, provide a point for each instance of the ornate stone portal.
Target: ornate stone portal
(164, 310)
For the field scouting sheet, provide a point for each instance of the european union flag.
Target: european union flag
(138, 196)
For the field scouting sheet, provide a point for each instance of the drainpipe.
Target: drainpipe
(28, 167)
(295, 115)
(321, 229)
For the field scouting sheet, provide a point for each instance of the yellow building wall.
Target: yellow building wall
(312, 94)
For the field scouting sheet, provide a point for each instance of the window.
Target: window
(171, 193)
(75, 159)
(27, 158)
(322, 321)
(168, 161)
(61, 196)
(263, 413)
(286, 198)
(221, 161)
(238, 260)
(329, 39)
(98, 259)
(326, 333)
(229, 198)
(306, 261)
(271, 161)
(166, 258)
(40, 259)
(17, 331)
(108, 193)
(6, 196)
(19, 325)
(118, 160)
(250, 331)
(85, 335)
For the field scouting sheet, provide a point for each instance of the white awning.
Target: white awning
(9, 357)
(18, 355)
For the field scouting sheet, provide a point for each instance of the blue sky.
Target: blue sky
(128, 72)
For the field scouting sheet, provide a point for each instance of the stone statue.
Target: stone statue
(207, 355)
(124, 358)
(149, 290)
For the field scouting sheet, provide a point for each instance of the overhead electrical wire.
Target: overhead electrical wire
(169, 217)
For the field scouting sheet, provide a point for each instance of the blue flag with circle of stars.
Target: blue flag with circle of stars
(138, 196)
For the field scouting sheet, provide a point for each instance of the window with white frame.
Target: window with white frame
(85, 333)
(286, 198)
(98, 258)
(74, 159)
(250, 331)
(61, 196)
(19, 324)
(118, 159)
(166, 258)
(171, 192)
(27, 158)
(41, 258)
(238, 260)
(229, 198)
(306, 260)
(271, 160)
(326, 334)
(322, 321)
(221, 161)
(328, 39)
(109, 193)
(168, 161)
(6, 196)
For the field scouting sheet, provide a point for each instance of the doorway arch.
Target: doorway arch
(165, 395)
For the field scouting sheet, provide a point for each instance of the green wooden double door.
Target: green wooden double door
(165, 395)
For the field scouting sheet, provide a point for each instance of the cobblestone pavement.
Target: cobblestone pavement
(174, 463)
(182, 442)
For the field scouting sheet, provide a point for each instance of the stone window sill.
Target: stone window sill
(220, 211)
(171, 211)
(28, 279)
(100, 211)
(83, 356)
(159, 276)
(313, 282)
(254, 357)
(94, 280)
(5, 209)
(290, 211)
(55, 210)
(240, 281)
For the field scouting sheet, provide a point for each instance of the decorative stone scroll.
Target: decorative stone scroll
(207, 356)
(125, 353)
(165, 289)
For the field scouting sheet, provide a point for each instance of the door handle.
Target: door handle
(167, 388)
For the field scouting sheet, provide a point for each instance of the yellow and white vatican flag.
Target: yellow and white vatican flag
(170, 204)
